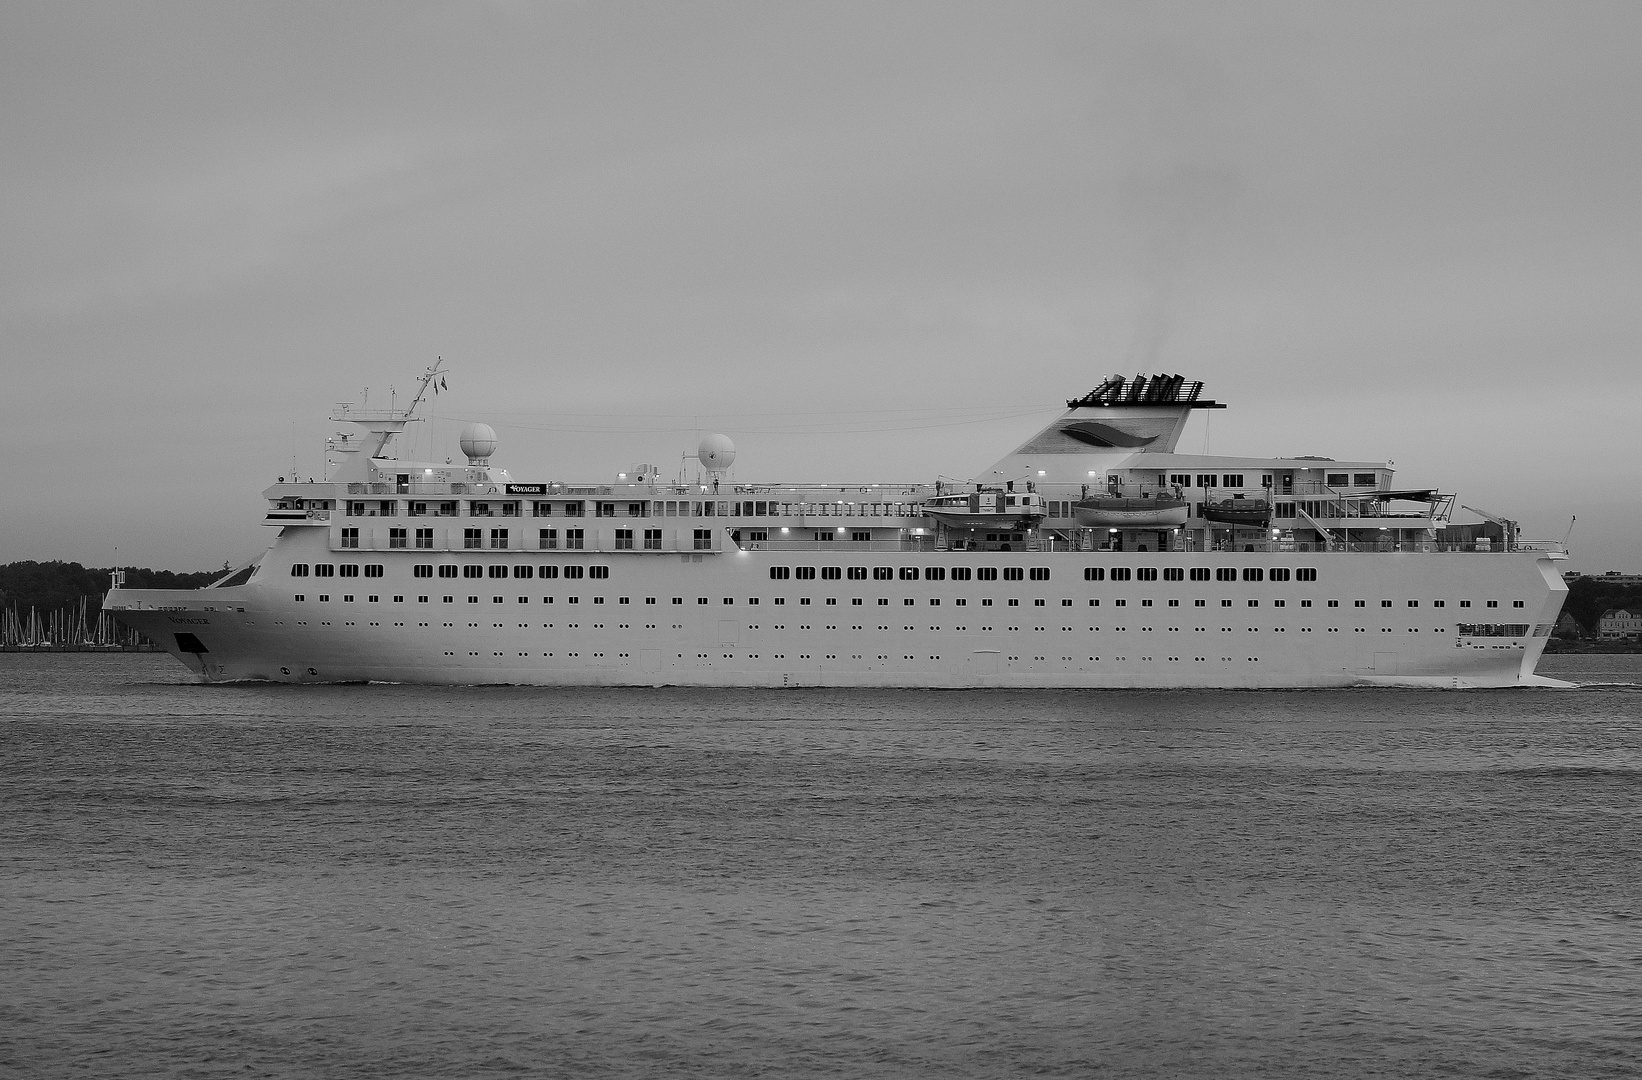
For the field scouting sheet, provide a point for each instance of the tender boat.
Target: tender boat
(987, 508)
(1118, 512)
(1244, 513)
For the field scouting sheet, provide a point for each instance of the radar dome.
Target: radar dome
(716, 452)
(478, 443)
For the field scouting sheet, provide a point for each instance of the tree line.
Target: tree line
(49, 586)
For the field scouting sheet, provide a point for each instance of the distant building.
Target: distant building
(1612, 577)
(1619, 624)
(1568, 627)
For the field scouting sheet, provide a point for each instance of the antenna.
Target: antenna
(1567, 535)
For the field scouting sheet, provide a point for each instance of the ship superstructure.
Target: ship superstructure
(1093, 555)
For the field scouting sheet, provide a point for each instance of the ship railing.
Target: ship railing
(925, 544)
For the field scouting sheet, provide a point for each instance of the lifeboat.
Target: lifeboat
(1250, 513)
(1118, 512)
(1003, 510)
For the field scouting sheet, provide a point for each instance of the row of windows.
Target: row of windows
(1200, 573)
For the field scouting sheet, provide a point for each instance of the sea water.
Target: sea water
(387, 881)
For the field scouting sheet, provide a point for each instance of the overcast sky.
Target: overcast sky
(872, 241)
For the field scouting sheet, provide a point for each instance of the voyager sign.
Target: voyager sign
(527, 489)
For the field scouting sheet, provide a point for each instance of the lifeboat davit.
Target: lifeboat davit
(1117, 512)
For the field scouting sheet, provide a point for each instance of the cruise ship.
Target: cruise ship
(1092, 555)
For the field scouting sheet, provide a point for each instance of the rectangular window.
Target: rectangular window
(1205, 480)
(573, 539)
(572, 572)
(1225, 573)
(1253, 573)
(780, 573)
(624, 539)
(1174, 573)
(473, 538)
(909, 573)
(547, 539)
(804, 573)
(859, 573)
(473, 570)
(1146, 573)
(575, 509)
(1041, 573)
(703, 539)
(546, 572)
(447, 570)
(498, 538)
(424, 538)
(1363, 479)
(541, 509)
(348, 570)
(325, 569)
(373, 570)
(934, 573)
(1338, 479)
(350, 538)
(1279, 573)
(299, 569)
(1231, 480)
(883, 573)
(652, 539)
(422, 570)
(598, 572)
(1200, 573)
(1305, 573)
(1094, 573)
(1013, 573)
(832, 573)
(524, 571)
(396, 538)
(986, 573)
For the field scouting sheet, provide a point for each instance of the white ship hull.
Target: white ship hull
(1033, 633)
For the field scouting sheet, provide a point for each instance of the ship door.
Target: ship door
(986, 661)
(974, 502)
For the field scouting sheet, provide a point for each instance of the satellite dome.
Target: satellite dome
(478, 443)
(716, 452)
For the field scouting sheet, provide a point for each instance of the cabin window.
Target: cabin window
(1253, 573)
(780, 573)
(883, 573)
(524, 571)
(831, 573)
(373, 570)
(934, 573)
(1206, 480)
(909, 573)
(1233, 480)
(1040, 573)
(1364, 479)
(473, 571)
(1182, 479)
(804, 573)
(350, 538)
(857, 573)
(961, 573)
(498, 538)
(652, 539)
(1121, 573)
(1338, 479)
(573, 572)
(1200, 573)
(541, 509)
(1094, 573)
(447, 570)
(422, 570)
(299, 569)
(1225, 573)
(1306, 573)
(574, 539)
(703, 539)
(1013, 573)
(472, 538)
(1279, 573)
(424, 538)
(348, 570)
(547, 538)
(598, 571)
(396, 538)
(1174, 573)
(624, 539)
(1146, 573)
(545, 572)
(986, 573)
